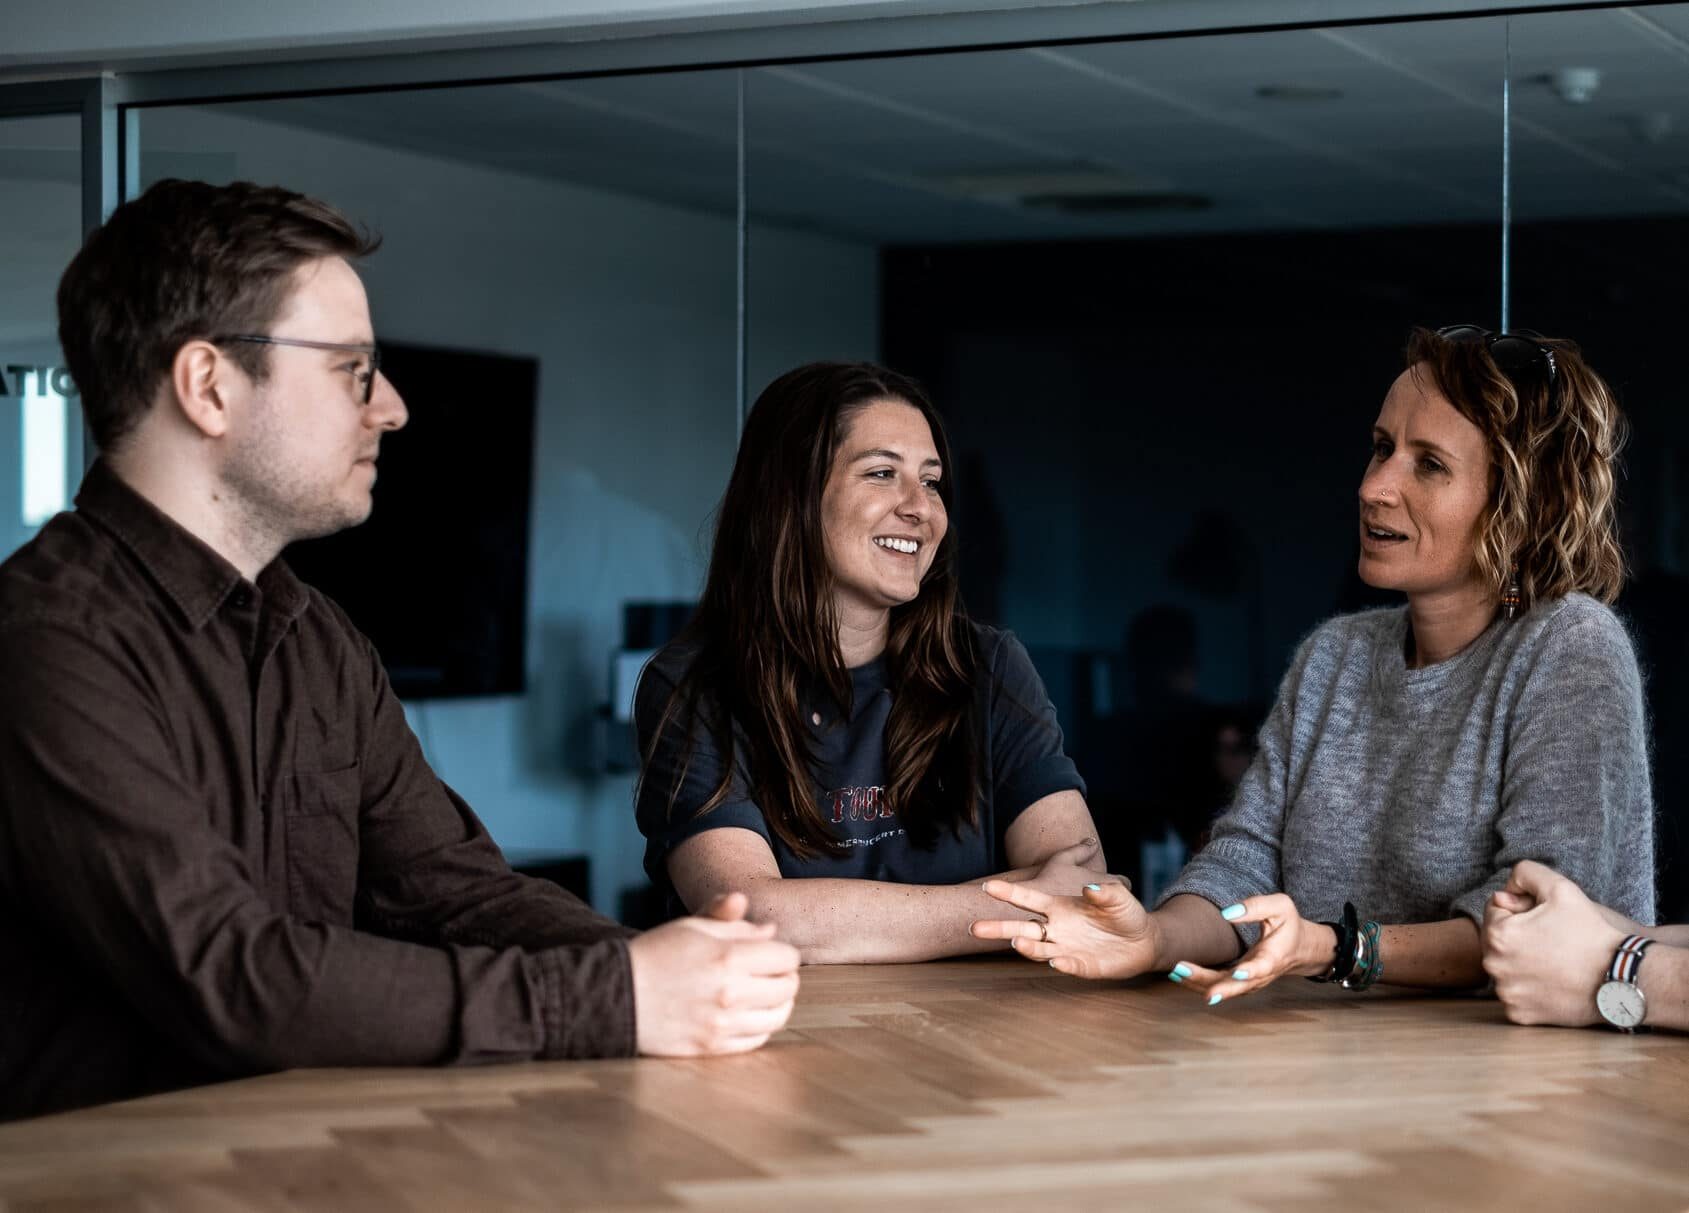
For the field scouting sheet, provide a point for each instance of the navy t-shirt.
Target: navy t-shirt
(1021, 755)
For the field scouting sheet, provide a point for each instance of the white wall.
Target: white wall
(630, 308)
(111, 31)
(122, 35)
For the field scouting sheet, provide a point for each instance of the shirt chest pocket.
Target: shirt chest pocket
(322, 844)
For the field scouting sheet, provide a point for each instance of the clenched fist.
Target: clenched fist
(713, 983)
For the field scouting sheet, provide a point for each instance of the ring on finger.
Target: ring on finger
(1043, 930)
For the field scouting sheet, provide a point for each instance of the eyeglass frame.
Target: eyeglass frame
(372, 350)
(1542, 354)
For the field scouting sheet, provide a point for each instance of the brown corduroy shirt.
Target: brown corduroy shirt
(221, 851)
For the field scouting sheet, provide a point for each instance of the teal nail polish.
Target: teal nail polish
(1231, 912)
(1095, 888)
(1174, 977)
(1214, 999)
(1182, 969)
(1240, 975)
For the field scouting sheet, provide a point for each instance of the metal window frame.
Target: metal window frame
(109, 104)
(691, 46)
(617, 50)
(94, 100)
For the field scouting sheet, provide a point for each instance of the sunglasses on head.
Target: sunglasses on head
(1512, 352)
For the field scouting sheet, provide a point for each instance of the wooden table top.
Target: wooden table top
(962, 1085)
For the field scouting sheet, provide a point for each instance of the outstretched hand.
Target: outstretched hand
(1289, 945)
(1103, 932)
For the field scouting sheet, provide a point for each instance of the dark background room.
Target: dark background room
(1158, 287)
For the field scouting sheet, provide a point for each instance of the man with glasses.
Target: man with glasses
(221, 851)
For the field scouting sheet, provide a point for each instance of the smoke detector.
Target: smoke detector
(1076, 189)
(1574, 85)
(1653, 127)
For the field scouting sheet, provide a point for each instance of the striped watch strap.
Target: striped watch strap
(1628, 958)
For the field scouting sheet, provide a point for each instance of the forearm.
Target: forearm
(1189, 928)
(1444, 955)
(277, 993)
(1664, 981)
(1432, 955)
(430, 872)
(465, 893)
(1671, 937)
(838, 921)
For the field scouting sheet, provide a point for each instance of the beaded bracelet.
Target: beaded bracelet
(1370, 967)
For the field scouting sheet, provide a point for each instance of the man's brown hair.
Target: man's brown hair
(185, 261)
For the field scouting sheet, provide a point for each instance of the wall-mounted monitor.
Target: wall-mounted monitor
(438, 577)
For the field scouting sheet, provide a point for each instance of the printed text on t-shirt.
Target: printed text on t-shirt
(860, 804)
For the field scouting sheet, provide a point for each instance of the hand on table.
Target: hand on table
(1547, 946)
(1289, 945)
(712, 983)
(1515, 900)
(1103, 932)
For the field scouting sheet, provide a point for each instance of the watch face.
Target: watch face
(1621, 1004)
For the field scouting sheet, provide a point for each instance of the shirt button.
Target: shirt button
(815, 718)
(240, 599)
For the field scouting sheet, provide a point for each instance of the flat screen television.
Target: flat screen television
(438, 577)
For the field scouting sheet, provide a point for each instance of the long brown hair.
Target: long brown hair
(1554, 444)
(764, 640)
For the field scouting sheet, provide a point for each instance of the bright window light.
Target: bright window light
(44, 429)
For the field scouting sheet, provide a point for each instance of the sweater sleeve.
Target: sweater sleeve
(1575, 787)
(1242, 858)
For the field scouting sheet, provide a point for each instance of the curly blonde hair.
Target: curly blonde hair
(1554, 448)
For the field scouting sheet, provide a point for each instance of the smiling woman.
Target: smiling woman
(832, 735)
(1416, 754)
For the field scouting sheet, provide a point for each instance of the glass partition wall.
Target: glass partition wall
(40, 229)
(556, 288)
(1158, 288)
(1600, 158)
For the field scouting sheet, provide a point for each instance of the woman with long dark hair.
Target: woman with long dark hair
(831, 734)
(1417, 753)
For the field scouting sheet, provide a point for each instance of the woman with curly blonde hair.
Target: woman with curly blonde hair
(1415, 754)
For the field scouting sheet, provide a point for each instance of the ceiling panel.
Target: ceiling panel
(891, 150)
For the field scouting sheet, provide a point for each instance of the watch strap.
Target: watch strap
(1627, 961)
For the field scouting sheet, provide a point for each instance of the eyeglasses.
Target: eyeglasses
(373, 353)
(1513, 352)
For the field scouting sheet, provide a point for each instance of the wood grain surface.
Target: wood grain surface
(972, 1084)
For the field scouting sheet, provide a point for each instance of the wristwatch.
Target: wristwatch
(1618, 998)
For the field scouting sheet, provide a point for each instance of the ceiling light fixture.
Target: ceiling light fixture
(1653, 127)
(1573, 85)
(1298, 92)
(1016, 184)
(1118, 204)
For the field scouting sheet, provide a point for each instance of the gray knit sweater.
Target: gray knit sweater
(1411, 792)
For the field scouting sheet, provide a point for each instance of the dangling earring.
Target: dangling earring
(1511, 599)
